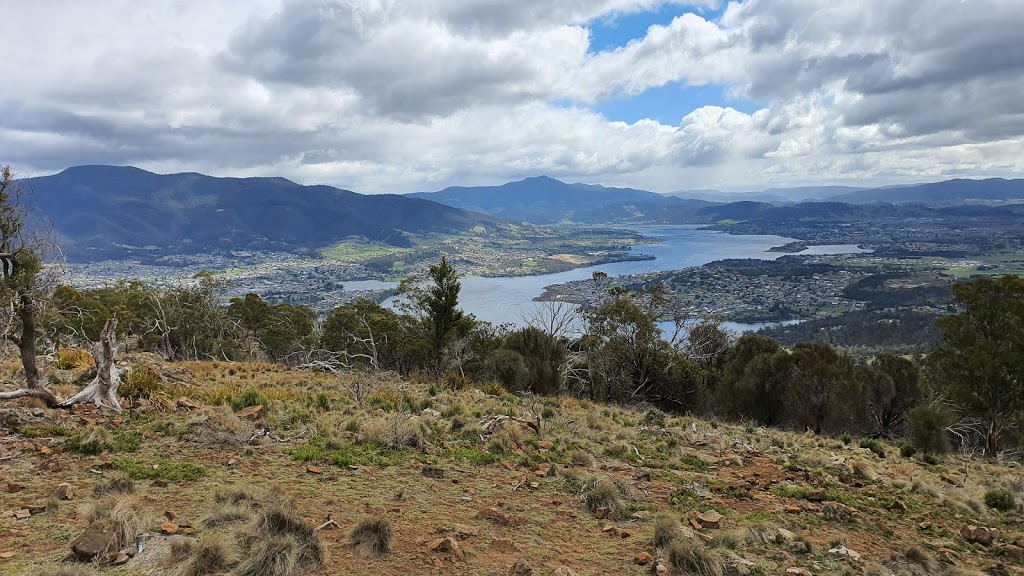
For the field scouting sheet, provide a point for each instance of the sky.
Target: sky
(416, 95)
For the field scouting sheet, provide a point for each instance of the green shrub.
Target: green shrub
(927, 428)
(494, 388)
(249, 397)
(384, 399)
(654, 418)
(874, 445)
(455, 381)
(321, 402)
(907, 451)
(1001, 499)
(141, 382)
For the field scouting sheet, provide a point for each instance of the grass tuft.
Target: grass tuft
(688, 557)
(372, 538)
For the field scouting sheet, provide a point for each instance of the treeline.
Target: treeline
(968, 387)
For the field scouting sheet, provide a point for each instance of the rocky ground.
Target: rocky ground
(469, 482)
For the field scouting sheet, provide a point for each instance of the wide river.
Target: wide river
(501, 300)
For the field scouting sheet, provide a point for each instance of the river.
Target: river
(506, 300)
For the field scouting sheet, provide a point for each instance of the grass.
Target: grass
(161, 468)
(691, 470)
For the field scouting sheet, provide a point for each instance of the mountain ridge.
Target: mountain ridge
(99, 210)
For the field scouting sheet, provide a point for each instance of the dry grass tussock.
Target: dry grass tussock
(263, 523)
(125, 509)
(64, 570)
(686, 556)
(218, 426)
(372, 538)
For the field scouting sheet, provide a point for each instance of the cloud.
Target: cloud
(401, 95)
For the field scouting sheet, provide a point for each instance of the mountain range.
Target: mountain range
(104, 212)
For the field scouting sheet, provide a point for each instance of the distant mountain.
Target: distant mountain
(113, 211)
(772, 195)
(947, 193)
(544, 200)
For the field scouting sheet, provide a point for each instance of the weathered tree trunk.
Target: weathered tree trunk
(27, 350)
(102, 391)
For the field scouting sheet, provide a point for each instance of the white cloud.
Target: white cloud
(400, 95)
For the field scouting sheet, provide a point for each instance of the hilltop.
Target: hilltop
(475, 481)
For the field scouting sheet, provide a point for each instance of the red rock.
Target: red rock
(251, 413)
(521, 568)
(710, 519)
(168, 528)
(817, 495)
(601, 513)
(446, 545)
(544, 470)
(545, 444)
(188, 403)
(948, 556)
(508, 465)
(7, 555)
(494, 515)
(22, 514)
(980, 535)
(463, 531)
(62, 491)
(121, 558)
(13, 488)
(314, 470)
(643, 558)
(100, 538)
(1015, 552)
(159, 484)
(608, 529)
(793, 509)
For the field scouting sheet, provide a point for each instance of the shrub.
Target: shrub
(455, 381)
(494, 388)
(1001, 499)
(249, 397)
(927, 426)
(77, 359)
(846, 439)
(384, 399)
(321, 401)
(688, 557)
(873, 445)
(907, 450)
(654, 418)
(508, 367)
(141, 382)
(371, 537)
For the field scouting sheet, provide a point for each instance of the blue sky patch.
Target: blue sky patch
(616, 31)
(669, 103)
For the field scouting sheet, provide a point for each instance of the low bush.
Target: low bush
(1001, 499)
